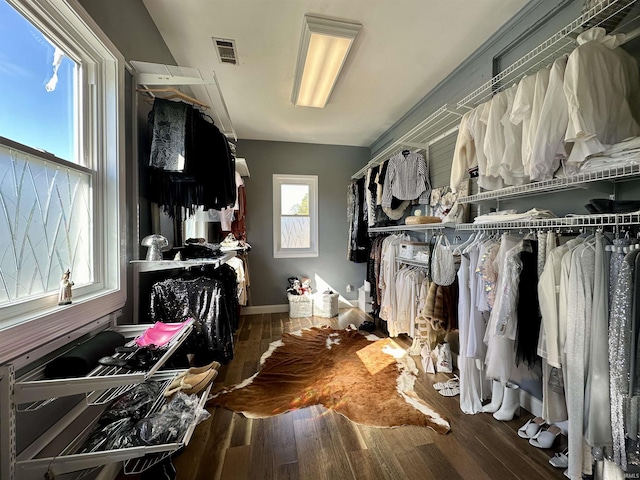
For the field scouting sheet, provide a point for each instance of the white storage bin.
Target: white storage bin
(325, 304)
(364, 300)
(300, 306)
(409, 249)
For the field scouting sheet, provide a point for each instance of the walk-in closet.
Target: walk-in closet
(319, 239)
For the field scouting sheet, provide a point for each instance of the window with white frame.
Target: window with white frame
(61, 174)
(295, 216)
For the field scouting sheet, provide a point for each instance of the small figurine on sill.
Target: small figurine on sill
(64, 295)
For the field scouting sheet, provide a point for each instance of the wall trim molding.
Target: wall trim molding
(258, 309)
(530, 403)
(284, 307)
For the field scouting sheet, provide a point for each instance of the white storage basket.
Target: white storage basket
(410, 249)
(325, 304)
(300, 306)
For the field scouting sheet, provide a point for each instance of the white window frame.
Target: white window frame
(312, 182)
(27, 325)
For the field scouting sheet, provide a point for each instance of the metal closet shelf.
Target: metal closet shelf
(445, 120)
(582, 180)
(411, 228)
(569, 222)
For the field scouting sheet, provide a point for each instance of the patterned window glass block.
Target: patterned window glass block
(295, 232)
(46, 225)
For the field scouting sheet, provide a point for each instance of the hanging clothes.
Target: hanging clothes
(191, 164)
(602, 85)
(211, 301)
(359, 243)
(407, 178)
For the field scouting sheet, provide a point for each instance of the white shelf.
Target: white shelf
(439, 124)
(414, 228)
(154, 266)
(573, 182)
(572, 222)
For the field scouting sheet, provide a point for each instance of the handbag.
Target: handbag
(427, 360)
(443, 267)
(444, 361)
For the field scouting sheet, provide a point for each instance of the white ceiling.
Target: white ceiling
(405, 48)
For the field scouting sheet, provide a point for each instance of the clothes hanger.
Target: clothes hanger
(173, 93)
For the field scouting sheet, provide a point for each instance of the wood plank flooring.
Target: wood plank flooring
(318, 444)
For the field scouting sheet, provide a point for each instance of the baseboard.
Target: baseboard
(258, 309)
(530, 403)
(282, 308)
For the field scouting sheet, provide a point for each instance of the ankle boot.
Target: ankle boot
(497, 391)
(510, 403)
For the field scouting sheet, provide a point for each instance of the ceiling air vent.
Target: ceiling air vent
(226, 50)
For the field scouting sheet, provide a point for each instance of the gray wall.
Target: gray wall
(334, 166)
(538, 20)
(131, 29)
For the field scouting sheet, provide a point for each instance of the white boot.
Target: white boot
(497, 391)
(510, 403)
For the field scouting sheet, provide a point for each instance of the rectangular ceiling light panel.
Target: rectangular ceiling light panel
(324, 47)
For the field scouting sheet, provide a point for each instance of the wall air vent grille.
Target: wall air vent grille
(226, 50)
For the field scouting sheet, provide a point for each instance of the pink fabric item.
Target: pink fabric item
(160, 334)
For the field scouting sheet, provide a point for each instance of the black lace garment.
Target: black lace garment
(202, 299)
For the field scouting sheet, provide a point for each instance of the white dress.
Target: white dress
(470, 376)
(500, 359)
(388, 268)
(580, 301)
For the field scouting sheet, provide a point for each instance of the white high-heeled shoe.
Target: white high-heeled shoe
(497, 392)
(510, 403)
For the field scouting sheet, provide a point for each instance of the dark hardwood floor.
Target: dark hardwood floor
(318, 444)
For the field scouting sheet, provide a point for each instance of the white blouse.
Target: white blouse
(521, 111)
(511, 169)
(547, 148)
(602, 85)
(464, 154)
(540, 91)
(494, 143)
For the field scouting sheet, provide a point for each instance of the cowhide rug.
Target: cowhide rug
(367, 379)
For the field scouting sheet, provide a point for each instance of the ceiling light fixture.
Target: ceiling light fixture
(324, 46)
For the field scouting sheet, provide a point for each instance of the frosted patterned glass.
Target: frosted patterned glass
(46, 226)
(295, 232)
